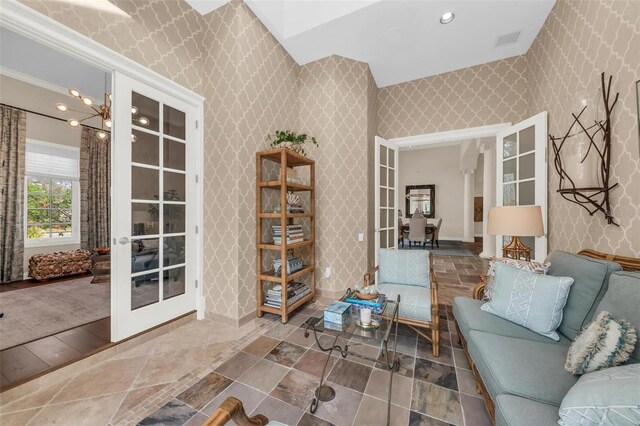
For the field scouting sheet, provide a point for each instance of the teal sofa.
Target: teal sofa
(521, 374)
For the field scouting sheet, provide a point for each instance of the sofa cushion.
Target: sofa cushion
(513, 410)
(469, 316)
(530, 300)
(622, 300)
(604, 397)
(415, 301)
(404, 267)
(590, 283)
(533, 370)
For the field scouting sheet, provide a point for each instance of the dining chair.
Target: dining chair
(417, 227)
(434, 236)
(401, 233)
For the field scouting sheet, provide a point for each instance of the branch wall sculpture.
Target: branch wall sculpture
(596, 198)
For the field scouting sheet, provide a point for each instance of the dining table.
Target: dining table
(429, 229)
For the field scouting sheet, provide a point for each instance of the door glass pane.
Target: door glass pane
(509, 194)
(174, 251)
(391, 238)
(527, 166)
(527, 193)
(383, 239)
(383, 155)
(144, 219)
(174, 153)
(145, 148)
(392, 158)
(144, 183)
(145, 255)
(383, 218)
(145, 290)
(174, 122)
(174, 218)
(383, 176)
(531, 243)
(383, 197)
(509, 170)
(392, 198)
(173, 283)
(174, 187)
(392, 178)
(527, 139)
(391, 217)
(145, 112)
(510, 146)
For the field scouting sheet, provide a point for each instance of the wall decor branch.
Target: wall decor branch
(595, 160)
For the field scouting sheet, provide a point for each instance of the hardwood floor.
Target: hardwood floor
(19, 285)
(29, 360)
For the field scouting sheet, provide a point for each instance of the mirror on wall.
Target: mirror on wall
(421, 198)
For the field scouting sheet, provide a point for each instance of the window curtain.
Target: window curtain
(13, 137)
(95, 187)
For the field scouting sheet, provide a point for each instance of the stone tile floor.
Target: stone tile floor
(182, 376)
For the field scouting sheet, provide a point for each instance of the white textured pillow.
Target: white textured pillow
(526, 265)
(603, 343)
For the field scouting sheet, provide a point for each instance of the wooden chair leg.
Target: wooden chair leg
(232, 409)
(435, 342)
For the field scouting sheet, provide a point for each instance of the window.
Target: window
(51, 194)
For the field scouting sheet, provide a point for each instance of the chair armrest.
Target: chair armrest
(369, 277)
(232, 409)
(478, 290)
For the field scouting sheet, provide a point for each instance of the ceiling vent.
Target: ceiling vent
(508, 38)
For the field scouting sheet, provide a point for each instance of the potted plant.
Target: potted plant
(291, 140)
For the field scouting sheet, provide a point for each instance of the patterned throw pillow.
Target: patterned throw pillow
(604, 397)
(531, 300)
(603, 343)
(531, 266)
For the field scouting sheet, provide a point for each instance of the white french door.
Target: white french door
(521, 173)
(386, 191)
(155, 199)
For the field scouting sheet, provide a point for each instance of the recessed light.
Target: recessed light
(446, 17)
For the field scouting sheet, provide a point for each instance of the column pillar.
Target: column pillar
(468, 206)
(489, 200)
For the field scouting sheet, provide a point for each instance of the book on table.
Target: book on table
(295, 292)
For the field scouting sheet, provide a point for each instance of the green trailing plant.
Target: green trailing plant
(291, 140)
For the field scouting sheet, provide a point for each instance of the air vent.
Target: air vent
(508, 38)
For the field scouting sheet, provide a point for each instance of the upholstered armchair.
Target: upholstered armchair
(410, 275)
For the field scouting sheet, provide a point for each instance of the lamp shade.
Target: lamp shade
(521, 221)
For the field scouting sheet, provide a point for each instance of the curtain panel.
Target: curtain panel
(95, 190)
(13, 137)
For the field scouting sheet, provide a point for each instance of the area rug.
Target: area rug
(447, 248)
(37, 312)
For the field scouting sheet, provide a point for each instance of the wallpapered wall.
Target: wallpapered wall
(252, 86)
(580, 40)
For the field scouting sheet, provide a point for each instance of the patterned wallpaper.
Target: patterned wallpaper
(334, 101)
(580, 40)
(485, 94)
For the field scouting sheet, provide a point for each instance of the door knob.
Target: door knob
(124, 240)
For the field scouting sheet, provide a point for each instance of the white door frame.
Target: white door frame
(452, 137)
(379, 141)
(28, 22)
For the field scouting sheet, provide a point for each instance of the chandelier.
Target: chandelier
(103, 111)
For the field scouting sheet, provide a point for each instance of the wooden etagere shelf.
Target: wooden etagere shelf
(286, 159)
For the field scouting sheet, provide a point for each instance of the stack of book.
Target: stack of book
(376, 305)
(294, 234)
(295, 208)
(295, 292)
(293, 264)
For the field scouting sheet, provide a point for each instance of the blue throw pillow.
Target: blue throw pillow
(531, 300)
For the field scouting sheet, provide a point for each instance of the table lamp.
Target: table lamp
(516, 221)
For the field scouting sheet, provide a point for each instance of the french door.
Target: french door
(521, 174)
(154, 217)
(386, 194)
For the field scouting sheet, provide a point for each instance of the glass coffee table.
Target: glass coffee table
(384, 337)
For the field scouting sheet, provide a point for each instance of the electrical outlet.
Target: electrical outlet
(360, 236)
(327, 272)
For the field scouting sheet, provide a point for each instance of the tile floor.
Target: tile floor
(182, 376)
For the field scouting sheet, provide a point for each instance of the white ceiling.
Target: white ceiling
(32, 62)
(401, 40)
